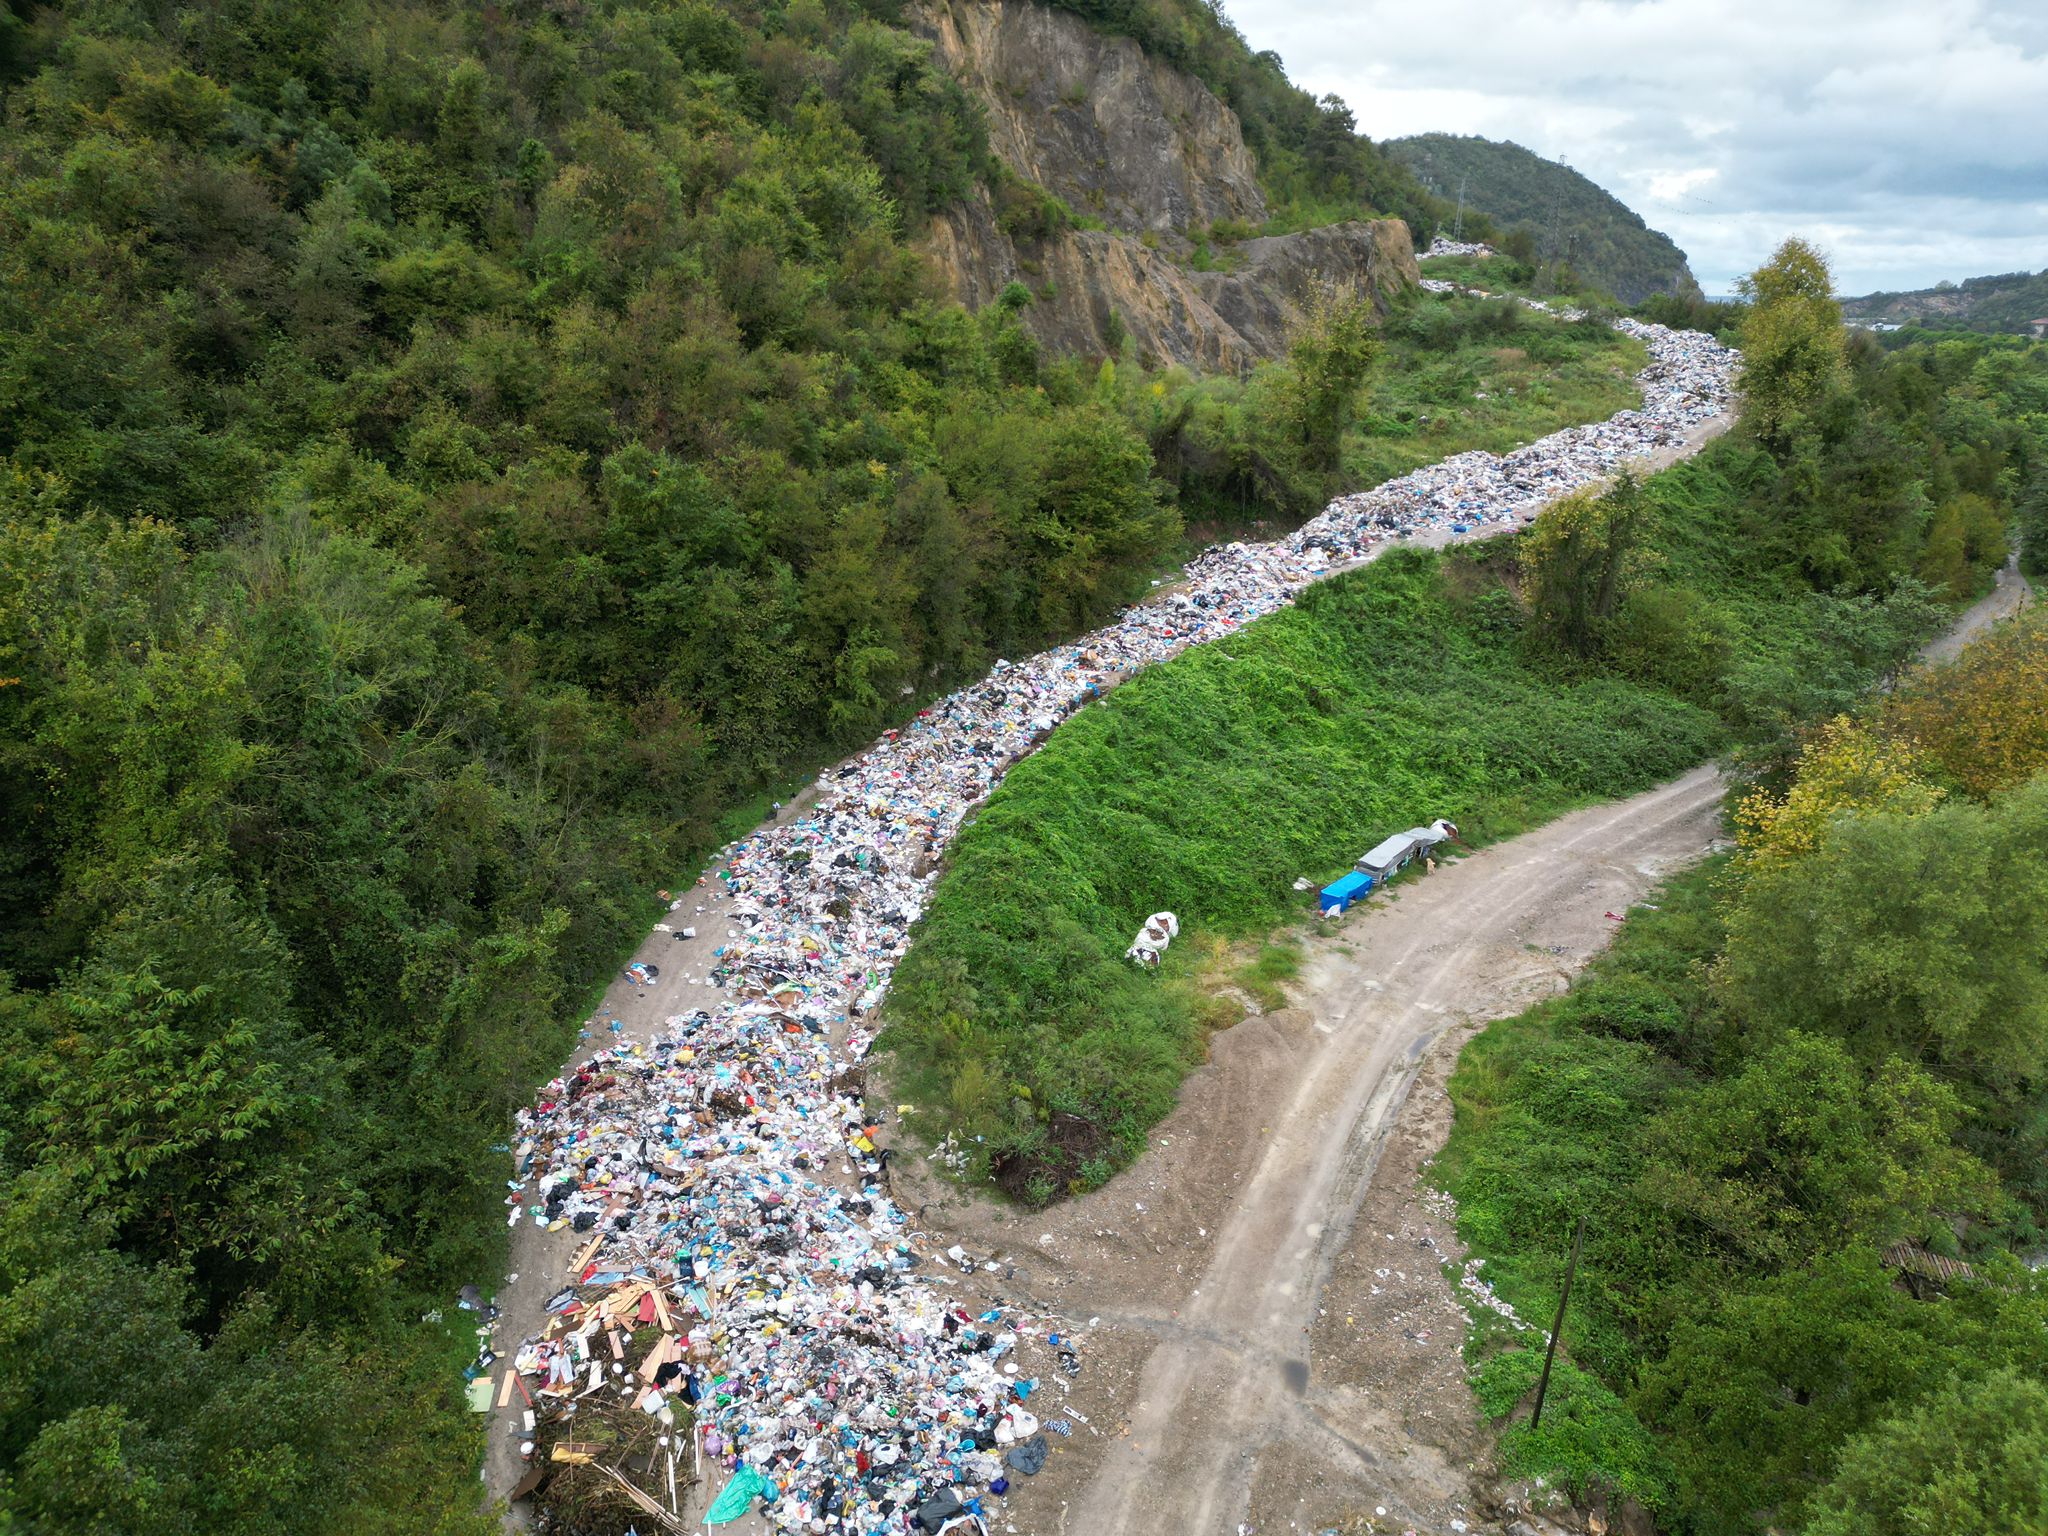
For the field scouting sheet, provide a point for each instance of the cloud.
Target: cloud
(1905, 135)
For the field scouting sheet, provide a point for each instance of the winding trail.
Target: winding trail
(1230, 1384)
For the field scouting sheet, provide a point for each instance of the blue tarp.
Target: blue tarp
(1339, 894)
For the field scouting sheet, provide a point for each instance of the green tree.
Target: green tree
(1576, 560)
(1792, 343)
(1764, 1383)
(1801, 1153)
(1331, 351)
(1971, 1457)
(1907, 936)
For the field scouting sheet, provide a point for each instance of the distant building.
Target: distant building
(2039, 327)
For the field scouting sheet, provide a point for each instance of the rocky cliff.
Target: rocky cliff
(1127, 141)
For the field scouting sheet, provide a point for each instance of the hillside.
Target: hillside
(1119, 158)
(1567, 216)
(455, 467)
(2004, 304)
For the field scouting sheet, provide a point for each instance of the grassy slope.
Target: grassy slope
(1208, 785)
(1544, 375)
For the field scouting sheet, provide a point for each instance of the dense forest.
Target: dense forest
(1549, 212)
(455, 463)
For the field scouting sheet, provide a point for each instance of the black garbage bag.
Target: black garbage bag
(937, 1510)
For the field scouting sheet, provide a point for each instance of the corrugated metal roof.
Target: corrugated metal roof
(1932, 1266)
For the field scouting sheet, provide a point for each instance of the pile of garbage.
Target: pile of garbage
(749, 1288)
(1442, 247)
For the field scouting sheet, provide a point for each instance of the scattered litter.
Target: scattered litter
(1160, 929)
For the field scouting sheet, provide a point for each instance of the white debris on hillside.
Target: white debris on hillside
(1442, 247)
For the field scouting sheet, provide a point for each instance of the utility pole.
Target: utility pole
(1459, 232)
(1571, 1268)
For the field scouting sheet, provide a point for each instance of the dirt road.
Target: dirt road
(1231, 1420)
(2000, 602)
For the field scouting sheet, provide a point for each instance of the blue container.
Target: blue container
(1339, 894)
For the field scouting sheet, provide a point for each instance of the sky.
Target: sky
(1907, 138)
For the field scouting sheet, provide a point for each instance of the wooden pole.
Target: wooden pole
(1557, 1327)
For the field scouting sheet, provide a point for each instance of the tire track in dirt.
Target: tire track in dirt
(1229, 1382)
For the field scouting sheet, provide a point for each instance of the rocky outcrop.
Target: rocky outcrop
(1152, 155)
(1121, 137)
(1092, 287)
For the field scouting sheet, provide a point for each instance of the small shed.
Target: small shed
(1339, 894)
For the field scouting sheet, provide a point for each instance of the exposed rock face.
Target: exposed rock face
(1211, 321)
(1120, 136)
(1150, 152)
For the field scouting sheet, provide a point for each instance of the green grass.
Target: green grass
(1273, 964)
(1546, 1105)
(1438, 356)
(1460, 373)
(1503, 274)
(1588, 1437)
(1207, 785)
(1547, 1109)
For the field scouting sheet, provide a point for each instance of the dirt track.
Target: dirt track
(1251, 1406)
(2005, 598)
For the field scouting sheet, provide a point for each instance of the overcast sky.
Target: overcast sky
(1909, 138)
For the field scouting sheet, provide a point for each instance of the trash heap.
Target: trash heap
(788, 1325)
(1442, 247)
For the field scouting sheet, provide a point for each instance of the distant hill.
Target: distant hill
(2005, 303)
(1567, 215)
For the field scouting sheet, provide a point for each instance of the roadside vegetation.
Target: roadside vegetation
(1442, 374)
(1730, 602)
(1814, 1072)
(1799, 1057)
